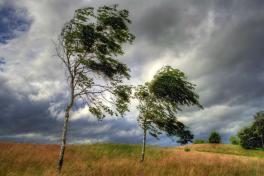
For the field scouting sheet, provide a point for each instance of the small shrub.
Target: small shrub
(214, 138)
(198, 141)
(187, 149)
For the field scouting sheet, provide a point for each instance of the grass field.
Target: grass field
(124, 159)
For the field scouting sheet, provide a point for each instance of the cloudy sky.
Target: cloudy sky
(217, 44)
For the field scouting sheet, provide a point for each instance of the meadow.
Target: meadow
(116, 159)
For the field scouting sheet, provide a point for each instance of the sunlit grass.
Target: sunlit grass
(124, 159)
(224, 149)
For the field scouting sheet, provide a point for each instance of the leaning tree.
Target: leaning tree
(83, 49)
(159, 99)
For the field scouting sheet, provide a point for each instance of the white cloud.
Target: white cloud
(46, 90)
(55, 112)
(131, 133)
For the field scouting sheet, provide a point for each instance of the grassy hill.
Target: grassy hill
(124, 159)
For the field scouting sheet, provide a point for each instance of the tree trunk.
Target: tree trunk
(65, 128)
(143, 149)
(262, 140)
(144, 137)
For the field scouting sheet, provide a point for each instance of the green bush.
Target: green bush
(214, 138)
(249, 139)
(187, 149)
(233, 140)
(198, 141)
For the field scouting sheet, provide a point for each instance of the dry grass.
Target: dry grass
(124, 159)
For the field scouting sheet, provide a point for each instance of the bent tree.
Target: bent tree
(83, 49)
(159, 99)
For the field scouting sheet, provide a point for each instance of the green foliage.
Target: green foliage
(258, 125)
(214, 138)
(187, 149)
(169, 84)
(115, 23)
(182, 132)
(109, 66)
(233, 140)
(198, 141)
(123, 93)
(252, 137)
(156, 109)
(175, 128)
(249, 139)
(90, 45)
(88, 37)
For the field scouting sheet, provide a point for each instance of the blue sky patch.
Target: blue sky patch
(12, 20)
(2, 61)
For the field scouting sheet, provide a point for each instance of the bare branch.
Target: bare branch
(59, 55)
(84, 91)
(108, 101)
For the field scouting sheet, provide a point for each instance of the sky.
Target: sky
(217, 44)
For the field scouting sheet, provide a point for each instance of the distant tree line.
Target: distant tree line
(248, 138)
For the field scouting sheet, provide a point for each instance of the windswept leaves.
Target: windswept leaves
(123, 93)
(92, 43)
(170, 86)
(159, 99)
(88, 37)
(109, 68)
(115, 23)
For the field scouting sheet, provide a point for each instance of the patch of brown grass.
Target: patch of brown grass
(101, 159)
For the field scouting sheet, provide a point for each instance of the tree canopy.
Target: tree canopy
(169, 85)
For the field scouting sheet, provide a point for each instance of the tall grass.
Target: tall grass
(124, 159)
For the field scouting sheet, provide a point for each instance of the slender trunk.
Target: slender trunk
(262, 140)
(65, 128)
(144, 137)
(143, 149)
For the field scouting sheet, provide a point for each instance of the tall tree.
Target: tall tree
(80, 47)
(159, 99)
(259, 124)
(249, 139)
